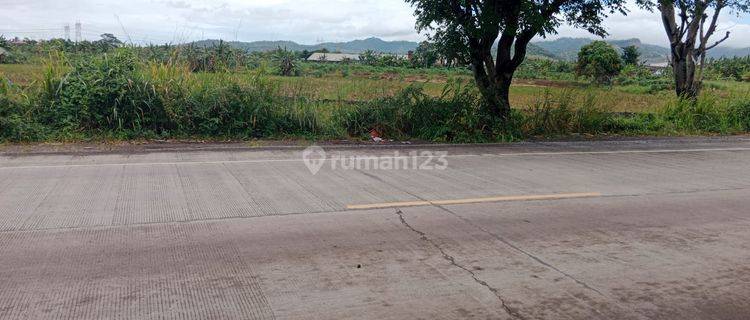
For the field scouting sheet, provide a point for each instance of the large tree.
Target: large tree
(478, 24)
(690, 24)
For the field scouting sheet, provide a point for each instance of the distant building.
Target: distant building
(333, 57)
(658, 68)
(18, 41)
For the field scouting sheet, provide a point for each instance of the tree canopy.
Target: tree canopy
(475, 25)
(631, 55)
(600, 61)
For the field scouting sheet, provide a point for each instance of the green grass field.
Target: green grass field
(361, 85)
(121, 98)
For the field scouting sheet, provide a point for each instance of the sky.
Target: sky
(302, 21)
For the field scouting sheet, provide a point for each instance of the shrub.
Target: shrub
(17, 121)
(600, 61)
(96, 94)
(735, 68)
(286, 63)
(554, 117)
(542, 68)
(702, 115)
(454, 116)
(119, 95)
(739, 114)
(116, 94)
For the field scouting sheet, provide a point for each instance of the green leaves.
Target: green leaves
(600, 61)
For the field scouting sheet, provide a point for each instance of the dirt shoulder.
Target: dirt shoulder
(151, 146)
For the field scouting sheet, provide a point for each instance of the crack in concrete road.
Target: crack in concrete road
(524, 252)
(509, 310)
(501, 239)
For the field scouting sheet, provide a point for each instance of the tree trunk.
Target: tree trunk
(683, 36)
(495, 95)
(683, 67)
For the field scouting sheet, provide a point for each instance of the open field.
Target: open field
(525, 93)
(121, 95)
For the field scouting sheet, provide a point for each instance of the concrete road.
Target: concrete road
(654, 229)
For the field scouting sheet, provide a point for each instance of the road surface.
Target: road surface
(649, 229)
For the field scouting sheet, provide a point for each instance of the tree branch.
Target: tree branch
(726, 36)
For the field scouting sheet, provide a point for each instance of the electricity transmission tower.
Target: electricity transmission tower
(67, 32)
(78, 32)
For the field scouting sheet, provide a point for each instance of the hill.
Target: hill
(355, 46)
(728, 52)
(567, 49)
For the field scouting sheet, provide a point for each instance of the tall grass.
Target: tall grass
(118, 95)
(706, 114)
(454, 116)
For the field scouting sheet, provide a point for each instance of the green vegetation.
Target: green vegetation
(692, 34)
(737, 69)
(473, 29)
(567, 49)
(599, 61)
(218, 92)
(631, 55)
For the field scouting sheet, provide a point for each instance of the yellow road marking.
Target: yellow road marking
(474, 200)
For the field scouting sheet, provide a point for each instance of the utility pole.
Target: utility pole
(78, 32)
(67, 32)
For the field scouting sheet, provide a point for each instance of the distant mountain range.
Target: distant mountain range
(567, 49)
(356, 46)
(561, 49)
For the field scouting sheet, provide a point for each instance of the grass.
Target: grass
(22, 74)
(119, 97)
(363, 84)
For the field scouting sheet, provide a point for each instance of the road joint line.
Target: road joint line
(558, 196)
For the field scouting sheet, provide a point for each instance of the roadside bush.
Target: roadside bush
(382, 115)
(119, 96)
(455, 116)
(554, 117)
(17, 122)
(99, 94)
(702, 115)
(636, 123)
(739, 113)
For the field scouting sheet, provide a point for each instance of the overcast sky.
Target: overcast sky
(303, 21)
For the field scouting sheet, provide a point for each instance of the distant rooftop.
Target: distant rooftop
(333, 57)
(659, 65)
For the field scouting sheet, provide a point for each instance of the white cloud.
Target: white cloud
(304, 21)
(647, 26)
